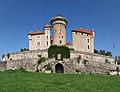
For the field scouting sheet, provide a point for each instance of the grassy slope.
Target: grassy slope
(36, 82)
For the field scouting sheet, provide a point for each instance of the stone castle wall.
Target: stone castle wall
(28, 60)
(73, 54)
(26, 55)
(91, 57)
(28, 64)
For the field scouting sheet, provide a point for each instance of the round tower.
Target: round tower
(59, 24)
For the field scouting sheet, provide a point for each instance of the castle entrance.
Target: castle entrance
(59, 68)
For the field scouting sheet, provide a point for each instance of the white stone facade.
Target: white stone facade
(39, 40)
(83, 40)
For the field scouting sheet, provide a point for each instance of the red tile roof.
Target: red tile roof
(82, 30)
(39, 32)
(47, 25)
(68, 43)
(51, 39)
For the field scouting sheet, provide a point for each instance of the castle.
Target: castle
(82, 39)
(82, 56)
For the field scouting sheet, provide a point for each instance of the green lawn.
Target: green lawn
(37, 82)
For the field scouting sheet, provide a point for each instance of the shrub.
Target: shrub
(16, 70)
(3, 56)
(42, 59)
(8, 55)
(79, 58)
(10, 70)
(85, 62)
(106, 60)
(48, 67)
(54, 50)
(25, 49)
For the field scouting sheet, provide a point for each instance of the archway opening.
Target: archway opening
(59, 68)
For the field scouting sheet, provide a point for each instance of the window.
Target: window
(60, 30)
(76, 32)
(62, 36)
(88, 40)
(88, 47)
(55, 30)
(47, 37)
(38, 36)
(47, 42)
(60, 41)
(82, 33)
(38, 43)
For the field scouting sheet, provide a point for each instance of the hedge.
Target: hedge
(54, 50)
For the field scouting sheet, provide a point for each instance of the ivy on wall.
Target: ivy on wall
(54, 50)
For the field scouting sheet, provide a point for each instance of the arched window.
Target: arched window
(88, 47)
(88, 40)
(47, 37)
(47, 42)
(60, 41)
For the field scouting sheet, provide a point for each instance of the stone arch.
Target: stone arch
(59, 68)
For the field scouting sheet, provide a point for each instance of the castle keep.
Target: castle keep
(82, 39)
(82, 56)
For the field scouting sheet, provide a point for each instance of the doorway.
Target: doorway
(59, 68)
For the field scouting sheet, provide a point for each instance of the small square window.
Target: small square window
(38, 43)
(38, 36)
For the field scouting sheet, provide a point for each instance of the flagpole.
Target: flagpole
(114, 52)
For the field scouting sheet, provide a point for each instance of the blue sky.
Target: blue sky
(19, 17)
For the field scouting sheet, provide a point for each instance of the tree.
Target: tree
(40, 60)
(95, 51)
(102, 52)
(108, 53)
(118, 60)
(25, 49)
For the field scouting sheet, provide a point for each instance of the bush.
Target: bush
(106, 60)
(54, 50)
(42, 59)
(16, 70)
(85, 62)
(48, 67)
(8, 55)
(24, 49)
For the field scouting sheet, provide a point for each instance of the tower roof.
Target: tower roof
(47, 26)
(58, 17)
(82, 30)
(39, 32)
